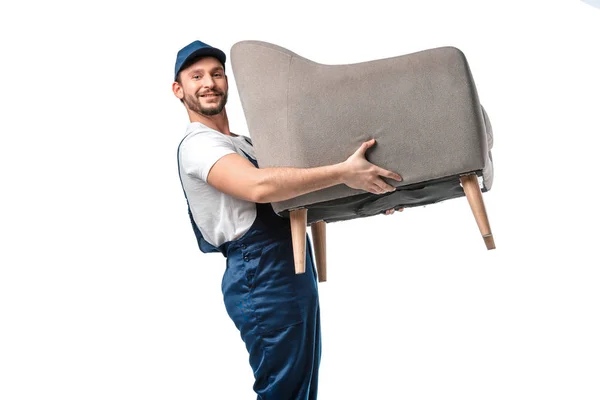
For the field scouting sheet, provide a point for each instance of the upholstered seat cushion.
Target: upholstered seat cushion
(422, 108)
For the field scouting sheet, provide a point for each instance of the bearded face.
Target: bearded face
(202, 86)
(206, 102)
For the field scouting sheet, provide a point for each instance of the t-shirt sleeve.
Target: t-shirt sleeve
(201, 151)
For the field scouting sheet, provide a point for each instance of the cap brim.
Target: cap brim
(205, 52)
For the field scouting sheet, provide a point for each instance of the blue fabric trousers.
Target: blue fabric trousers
(275, 310)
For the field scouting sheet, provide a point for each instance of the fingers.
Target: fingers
(389, 174)
(384, 186)
(380, 187)
(380, 171)
(365, 146)
(392, 210)
(377, 189)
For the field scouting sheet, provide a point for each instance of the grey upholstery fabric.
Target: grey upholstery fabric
(422, 108)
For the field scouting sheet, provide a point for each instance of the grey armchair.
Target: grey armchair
(422, 109)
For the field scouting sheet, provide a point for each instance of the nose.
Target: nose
(208, 81)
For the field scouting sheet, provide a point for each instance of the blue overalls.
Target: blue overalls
(275, 310)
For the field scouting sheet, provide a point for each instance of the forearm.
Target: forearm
(283, 183)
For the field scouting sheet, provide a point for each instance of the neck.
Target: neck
(217, 122)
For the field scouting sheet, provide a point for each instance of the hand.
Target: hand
(391, 210)
(358, 173)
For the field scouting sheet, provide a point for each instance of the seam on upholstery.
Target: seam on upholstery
(287, 100)
(263, 44)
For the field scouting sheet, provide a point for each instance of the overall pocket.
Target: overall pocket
(274, 287)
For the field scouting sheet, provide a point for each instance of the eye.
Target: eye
(218, 75)
(196, 77)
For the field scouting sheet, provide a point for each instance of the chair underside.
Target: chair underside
(369, 204)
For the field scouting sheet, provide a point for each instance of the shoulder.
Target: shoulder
(243, 138)
(196, 132)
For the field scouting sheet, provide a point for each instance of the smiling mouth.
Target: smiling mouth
(210, 95)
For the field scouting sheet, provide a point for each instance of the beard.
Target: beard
(193, 103)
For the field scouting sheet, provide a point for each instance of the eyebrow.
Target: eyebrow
(215, 69)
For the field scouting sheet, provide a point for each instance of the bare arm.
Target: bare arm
(235, 175)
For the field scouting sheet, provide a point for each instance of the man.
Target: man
(275, 310)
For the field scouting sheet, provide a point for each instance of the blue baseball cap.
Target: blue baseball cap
(194, 50)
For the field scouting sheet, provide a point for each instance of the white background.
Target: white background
(105, 295)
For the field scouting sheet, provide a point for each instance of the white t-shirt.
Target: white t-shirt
(219, 216)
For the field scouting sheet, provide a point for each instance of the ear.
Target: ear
(177, 90)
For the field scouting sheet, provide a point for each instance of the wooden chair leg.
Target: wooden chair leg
(298, 222)
(318, 234)
(473, 192)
